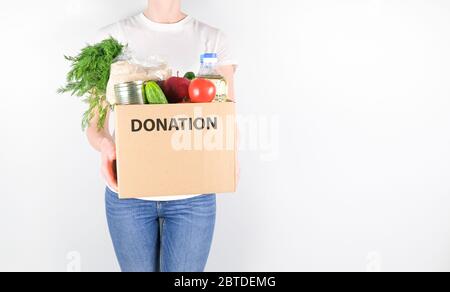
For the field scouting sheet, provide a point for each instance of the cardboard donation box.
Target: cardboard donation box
(175, 149)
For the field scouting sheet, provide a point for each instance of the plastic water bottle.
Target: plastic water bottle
(208, 70)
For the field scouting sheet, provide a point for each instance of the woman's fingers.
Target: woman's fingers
(108, 171)
(108, 167)
(112, 153)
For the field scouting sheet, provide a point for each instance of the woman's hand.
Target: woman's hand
(108, 166)
(103, 142)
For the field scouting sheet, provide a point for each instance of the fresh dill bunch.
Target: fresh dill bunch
(88, 78)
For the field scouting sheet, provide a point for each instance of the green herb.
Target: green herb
(89, 77)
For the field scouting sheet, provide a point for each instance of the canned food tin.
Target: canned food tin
(130, 93)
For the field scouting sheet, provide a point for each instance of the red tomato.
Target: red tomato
(202, 91)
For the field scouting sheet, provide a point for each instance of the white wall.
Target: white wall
(361, 92)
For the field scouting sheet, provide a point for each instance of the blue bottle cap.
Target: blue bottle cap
(209, 55)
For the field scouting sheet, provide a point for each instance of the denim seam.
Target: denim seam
(161, 249)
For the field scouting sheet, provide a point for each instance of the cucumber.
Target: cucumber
(154, 93)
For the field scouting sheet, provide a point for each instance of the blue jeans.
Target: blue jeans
(173, 236)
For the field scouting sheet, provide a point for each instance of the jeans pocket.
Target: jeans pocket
(204, 204)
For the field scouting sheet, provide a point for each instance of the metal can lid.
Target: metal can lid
(131, 83)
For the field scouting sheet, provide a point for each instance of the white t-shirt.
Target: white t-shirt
(180, 44)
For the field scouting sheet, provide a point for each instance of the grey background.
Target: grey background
(361, 92)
